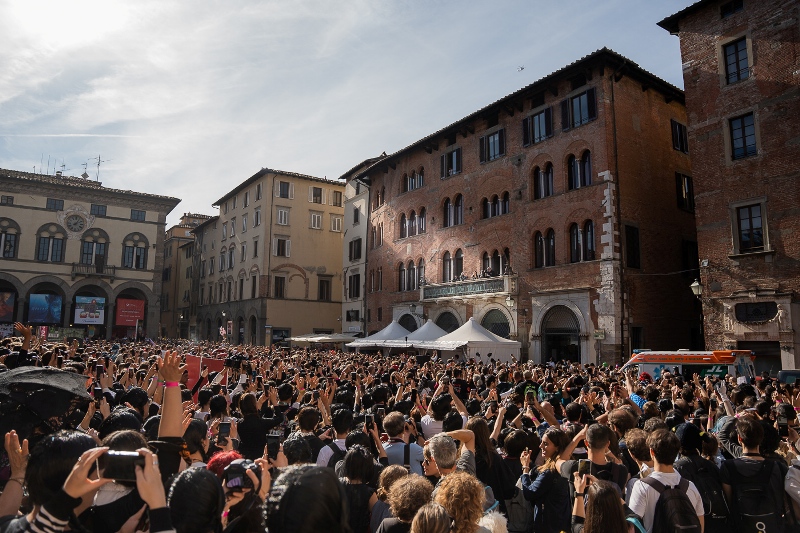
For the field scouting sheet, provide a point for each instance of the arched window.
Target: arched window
(486, 263)
(383, 195)
(506, 261)
(550, 248)
(374, 237)
(231, 256)
(9, 238)
(538, 247)
(505, 204)
(458, 211)
(403, 226)
(458, 264)
(50, 243)
(411, 273)
(448, 213)
(134, 251)
(588, 241)
(412, 224)
(405, 182)
(573, 173)
(94, 248)
(495, 205)
(543, 182)
(447, 267)
(574, 244)
(421, 222)
(497, 267)
(380, 233)
(486, 208)
(421, 272)
(586, 168)
(401, 278)
(421, 178)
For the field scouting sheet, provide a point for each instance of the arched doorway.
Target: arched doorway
(408, 322)
(217, 334)
(448, 322)
(497, 322)
(240, 331)
(561, 335)
(253, 332)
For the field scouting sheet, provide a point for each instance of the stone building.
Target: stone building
(560, 215)
(79, 255)
(741, 60)
(269, 265)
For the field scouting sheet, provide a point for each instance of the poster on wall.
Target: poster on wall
(129, 311)
(45, 309)
(7, 306)
(7, 330)
(90, 310)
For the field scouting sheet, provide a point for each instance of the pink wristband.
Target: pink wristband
(172, 384)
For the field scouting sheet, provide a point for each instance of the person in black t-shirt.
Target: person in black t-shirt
(602, 463)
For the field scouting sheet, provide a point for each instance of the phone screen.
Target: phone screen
(273, 446)
(584, 467)
(224, 429)
(369, 421)
(783, 426)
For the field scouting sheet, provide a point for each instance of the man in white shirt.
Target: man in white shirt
(664, 447)
(342, 422)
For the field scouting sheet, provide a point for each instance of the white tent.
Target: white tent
(393, 331)
(473, 338)
(323, 337)
(428, 332)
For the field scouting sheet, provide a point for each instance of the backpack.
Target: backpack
(753, 501)
(701, 473)
(336, 456)
(519, 511)
(674, 510)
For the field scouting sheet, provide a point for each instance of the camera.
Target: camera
(235, 475)
(234, 361)
(119, 465)
(273, 444)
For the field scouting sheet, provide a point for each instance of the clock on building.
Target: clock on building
(75, 223)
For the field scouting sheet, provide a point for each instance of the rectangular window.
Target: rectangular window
(244, 251)
(246, 200)
(43, 249)
(737, 66)
(337, 198)
(324, 290)
(241, 288)
(743, 136)
(258, 192)
(224, 231)
(253, 286)
(282, 247)
(283, 217)
(8, 243)
(244, 223)
(257, 217)
(202, 295)
(315, 195)
(284, 190)
(751, 228)
(233, 226)
(210, 266)
(578, 110)
(352, 315)
(127, 257)
(685, 190)
(492, 146)
(138, 215)
(355, 249)
(255, 247)
(354, 286)
(140, 259)
(234, 203)
(538, 127)
(632, 255)
(202, 269)
(356, 216)
(54, 204)
(280, 287)
(336, 223)
(6, 200)
(98, 210)
(316, 220)
(680, 138)
(637, 337)
(380, 314)
(451, 163)
(87, 253)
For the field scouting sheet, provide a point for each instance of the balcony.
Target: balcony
(96, 270)
(469, 288)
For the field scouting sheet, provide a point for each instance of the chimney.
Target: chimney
(58, 173)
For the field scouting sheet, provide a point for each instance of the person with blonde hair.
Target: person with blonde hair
(381, 509)
(462, 496)
(431, 518)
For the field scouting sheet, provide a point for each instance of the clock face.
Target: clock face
(75, 223)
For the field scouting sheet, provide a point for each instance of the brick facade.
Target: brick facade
(750, 288)
(569, 309)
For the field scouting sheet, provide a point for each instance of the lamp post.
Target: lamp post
(697, 290)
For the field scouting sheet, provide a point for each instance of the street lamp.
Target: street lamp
(510, 302)
(697, 288)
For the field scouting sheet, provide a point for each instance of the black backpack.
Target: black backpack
(753, 501)
(702, 473)
(674, 510)
(336, 456)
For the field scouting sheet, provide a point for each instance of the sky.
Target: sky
(188, 99)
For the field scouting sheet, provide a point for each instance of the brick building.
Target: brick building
(741, 60)
(533, 213)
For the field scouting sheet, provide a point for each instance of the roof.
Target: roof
(263, 172)
(84, 184)
(204, 224)
(364, 163)
(604, 56)
(671, 22)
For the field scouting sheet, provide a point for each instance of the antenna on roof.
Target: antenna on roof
(85, 175)
(97, 177)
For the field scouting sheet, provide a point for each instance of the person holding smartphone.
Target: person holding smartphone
(545, 487)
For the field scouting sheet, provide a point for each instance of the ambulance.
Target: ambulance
(737, 363)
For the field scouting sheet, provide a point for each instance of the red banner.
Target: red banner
(129, 311)
(193, 366)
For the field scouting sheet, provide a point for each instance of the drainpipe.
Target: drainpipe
(618, 213)
(268, 251)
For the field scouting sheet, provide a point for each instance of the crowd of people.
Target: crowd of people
(108, 437)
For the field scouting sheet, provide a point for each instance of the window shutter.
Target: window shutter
(565, 115)
(592, 103)
(482, 149)
(324, 194)
(277, 187)
(548, 122)
(502, 137)
(675, 135)
(291, 191)
(311, 194)
(458, 160)
(679, 189)
(526, 131)
(330, 197)
(275, 246)
(288, 248)
(444, 166)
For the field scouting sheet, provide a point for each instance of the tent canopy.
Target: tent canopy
(393, 331)
(323, 337)
(476, 341)
(428, 332)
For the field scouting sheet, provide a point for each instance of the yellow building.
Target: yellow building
(77, 254)
(269, 264)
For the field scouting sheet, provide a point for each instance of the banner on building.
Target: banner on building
(129, 311)
(45, 309)
(90, 310)
(7, 306)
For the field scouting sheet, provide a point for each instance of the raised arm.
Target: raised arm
(170, 370)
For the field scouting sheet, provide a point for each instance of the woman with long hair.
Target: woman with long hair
(358, 470)
(462, 497)
(548, 489)
(489, 466)
(602, 510)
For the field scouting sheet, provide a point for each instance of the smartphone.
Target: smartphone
(445, 380)
(97, 392)
(529, 397)
(584, 466)
(273, 446)
(224, 430)
(369, 421)
(99, 371)
(106, 359)
(381, 412)
(352, 376)
(59, 361)
(260, 381)
(493, 405)
(118, 465)
(783, 426)
(315, 395)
